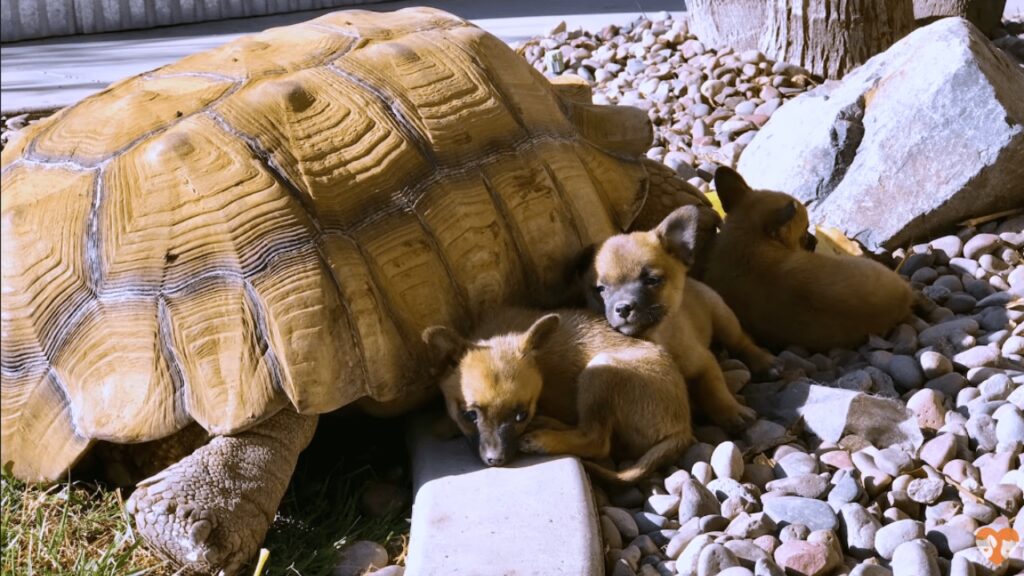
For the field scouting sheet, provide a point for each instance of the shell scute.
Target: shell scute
(346, 153)
(272, 52)
(104, 124)
(437, 88)
(273, 223)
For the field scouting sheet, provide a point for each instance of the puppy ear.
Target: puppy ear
(446, 345)
(584, 261)
(681, 230)
(540, 332)
(731, 187)
(780, 217)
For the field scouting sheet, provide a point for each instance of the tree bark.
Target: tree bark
(733, 23)
(830, 37)
(987, 15)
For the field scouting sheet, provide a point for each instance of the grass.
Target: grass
(80, 527)
(69, 528)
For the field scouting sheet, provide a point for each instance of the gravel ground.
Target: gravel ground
(779, 498)
(706, 105)
(792, 501)
(10, 126)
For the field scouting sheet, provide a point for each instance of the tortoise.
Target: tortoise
(257, 234)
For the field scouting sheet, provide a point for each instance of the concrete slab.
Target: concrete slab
(61, 71)
(536, 517)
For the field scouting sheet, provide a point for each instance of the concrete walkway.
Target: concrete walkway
(61, 71)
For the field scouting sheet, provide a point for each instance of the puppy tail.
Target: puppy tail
(660, 454)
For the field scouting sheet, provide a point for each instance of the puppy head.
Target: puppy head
(776, 215)
(492, 393)
(639, 277)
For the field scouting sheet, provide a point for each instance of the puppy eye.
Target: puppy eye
(652, 280)
(521, 416)
(471, 416)
(599, 289)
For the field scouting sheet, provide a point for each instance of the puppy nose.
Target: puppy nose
(495, 460)
(623, 309)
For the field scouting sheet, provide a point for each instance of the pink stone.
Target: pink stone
(926, 404)
(838, 459)
(803, 558)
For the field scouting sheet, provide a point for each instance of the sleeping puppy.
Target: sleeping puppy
(763, 265)
(563, 383)
(640, 283)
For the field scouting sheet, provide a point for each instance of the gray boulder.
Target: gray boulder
(920, 137)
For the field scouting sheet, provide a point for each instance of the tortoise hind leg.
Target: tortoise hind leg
(211, 510)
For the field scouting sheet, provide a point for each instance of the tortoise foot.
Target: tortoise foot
(210, 511)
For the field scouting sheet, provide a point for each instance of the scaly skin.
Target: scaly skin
(210, 511)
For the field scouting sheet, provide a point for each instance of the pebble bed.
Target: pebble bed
(706, 105)
(811, 507)
(778, 500)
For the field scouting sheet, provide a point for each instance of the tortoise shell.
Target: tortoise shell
(273, 222)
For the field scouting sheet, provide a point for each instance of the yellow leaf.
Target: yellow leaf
(833, 241)
(716, 203)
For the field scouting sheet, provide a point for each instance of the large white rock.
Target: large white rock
(920, 137)
(831, 413)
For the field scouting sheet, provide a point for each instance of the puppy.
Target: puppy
(763, 265)
(563, 383)
(641, 286)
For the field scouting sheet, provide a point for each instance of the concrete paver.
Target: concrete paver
(61, 71)
(535, 517)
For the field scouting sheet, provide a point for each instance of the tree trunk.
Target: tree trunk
(830, 37)
(987, 15)
(733, 23)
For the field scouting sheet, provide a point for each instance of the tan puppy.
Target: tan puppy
(579, 386)
(783, 293)
(641, 280)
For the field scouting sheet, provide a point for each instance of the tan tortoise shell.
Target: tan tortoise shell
(273, 223)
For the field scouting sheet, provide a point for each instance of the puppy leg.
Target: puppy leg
(591, 438)
(713, 395)
(592, 442)
(540, 422)
(729, 333)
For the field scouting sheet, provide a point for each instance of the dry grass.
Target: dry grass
(69, 529)
(80, 528)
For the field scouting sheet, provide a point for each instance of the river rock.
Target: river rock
(360, 557)
(915, 558)
(814, 514)
(892, 535)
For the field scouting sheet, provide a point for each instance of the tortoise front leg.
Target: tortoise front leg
(210, 511)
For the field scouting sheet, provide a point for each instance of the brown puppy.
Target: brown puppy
(641, 281)
(783, 293)
(579, 386)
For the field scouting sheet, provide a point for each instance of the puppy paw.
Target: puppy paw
(767, 369)
(747, 415)
(533, 442)
(739, 418)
